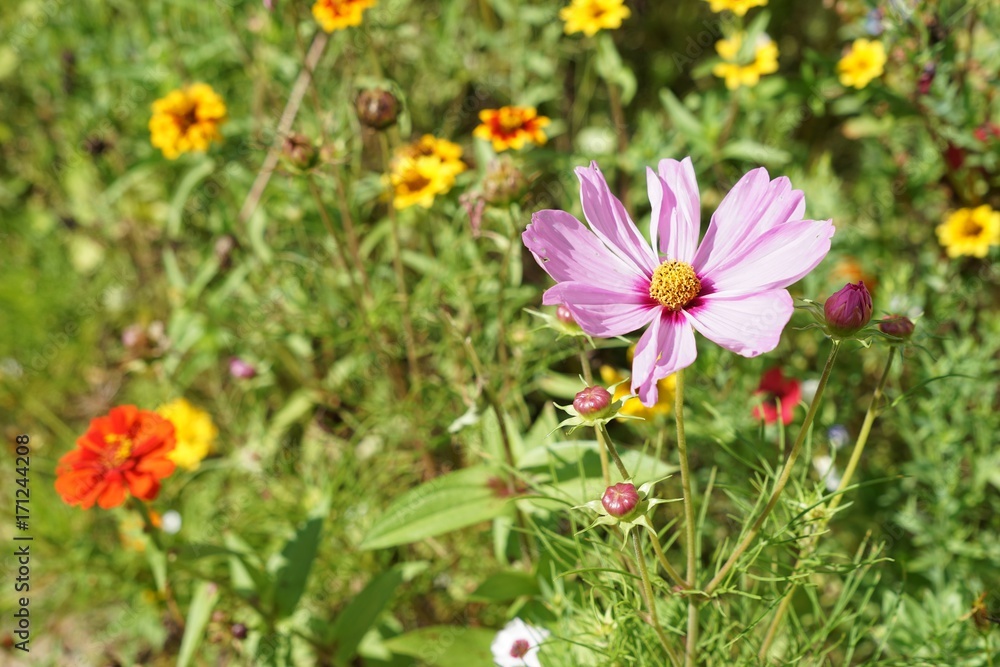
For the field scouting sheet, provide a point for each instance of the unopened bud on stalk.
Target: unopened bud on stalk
(896, 325)
(593, 402)
(299, 151)
(239, 631)
(377, 108)
(240, 369)
(849, 310)
(564, 316)
(619, 500)
(504, 182)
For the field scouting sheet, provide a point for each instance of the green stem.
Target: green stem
(691, 545)
(655, 539)
(647, 586)
(605, 441)
(845, 481)
(786, 473)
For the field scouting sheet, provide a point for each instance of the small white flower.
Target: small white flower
(170, 522)
(517, 645)
(809, 388)
(827, 472)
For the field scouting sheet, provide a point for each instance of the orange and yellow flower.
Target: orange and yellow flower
(970, 231)
(738, 7)
(863, 62)
(735, 71)
(187, 120)
(424, 169)
(511, 127)
(126, 451)
(592, 16)
(339, 14)
(194, 431)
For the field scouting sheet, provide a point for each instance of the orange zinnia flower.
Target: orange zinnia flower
(511, 127)
(127, 450)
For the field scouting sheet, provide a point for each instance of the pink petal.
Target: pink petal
(568, 251)
(610, 221)
(676, 209)
(748, 325)
(754, 206)
(602, 312)
(777, 259)
(666, 347)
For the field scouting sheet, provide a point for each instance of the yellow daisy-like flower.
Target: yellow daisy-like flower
(511, 127)
(194, 430)
(738, 7)
(864, 61)
(424, 169)
(187, 120)
(970, 231)
(592, 16)
(735, 73)
(633, 406)
(339, 14)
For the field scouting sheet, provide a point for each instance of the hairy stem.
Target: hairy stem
(605, 441)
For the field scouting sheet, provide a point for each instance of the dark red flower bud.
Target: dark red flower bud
(849, 310)
(954, 156)
(377, 108)
(592, 402)
(896, 325)
(299, 151)
(239, 631)
(620, 499)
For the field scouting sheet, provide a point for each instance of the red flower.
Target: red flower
(777, 388)
(123, 451)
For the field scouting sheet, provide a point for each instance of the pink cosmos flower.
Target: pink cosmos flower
(730, 287)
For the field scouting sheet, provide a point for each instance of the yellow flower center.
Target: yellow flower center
(123, 448)
(971, 227)
(674, 284)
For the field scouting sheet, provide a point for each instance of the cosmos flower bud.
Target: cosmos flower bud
(849, 310)
(240, 369)
(619, 500)
(896, 325)
(504, 182)
(593, 402)
(377, 108)
(239, 631)
(564, 316)
(299, 151)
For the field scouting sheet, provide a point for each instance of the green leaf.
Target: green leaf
(684, 121)
(362, 612)
(753, 151)
(202, 602)
(610, 67)
(442, 505)
(191, 179)
(291, 567)
(446, 646)
(505, 586)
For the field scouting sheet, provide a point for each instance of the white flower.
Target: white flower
(827, 471)
(170, 522)
(517, 645)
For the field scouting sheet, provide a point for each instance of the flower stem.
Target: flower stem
(786, 473)
(655, 539)
(845, 481)
(605, 441)
(691, 645)
(648, 590)
(409, 338)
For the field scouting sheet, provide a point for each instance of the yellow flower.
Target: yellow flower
(633, 406)
(511, 127)
(591, 16)
(865, 61)
(738, 7)
(424, 169)
(339, 14)
(970, 231)
(194, 431)
(765, 61)
(187, 120)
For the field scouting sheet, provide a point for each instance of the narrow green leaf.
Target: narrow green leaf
(442, 505)
(191, 179)
(291, 567)
(202, 602)
(505, 586)
(446, 646)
